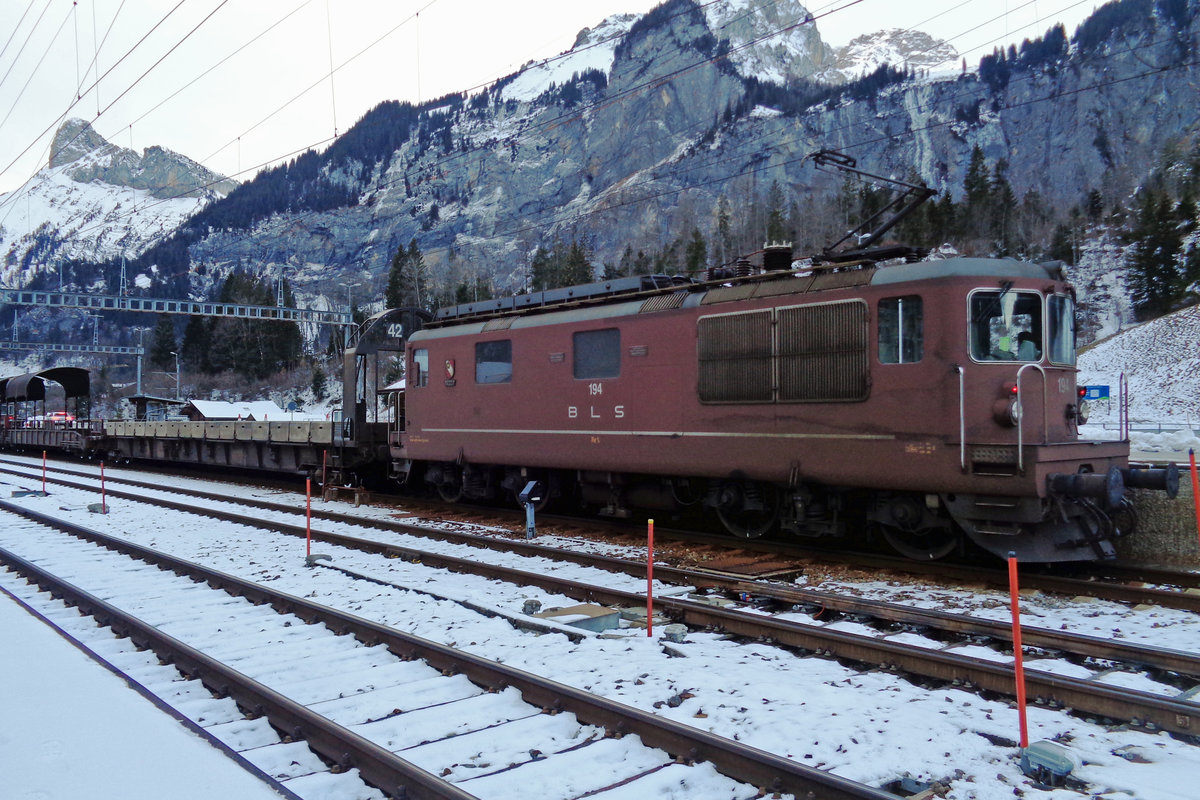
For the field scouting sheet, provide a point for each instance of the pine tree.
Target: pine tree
(695, 257)
(319, 384)
(393, 295)
(723, 245)
(541, 269)
(1062, 246)
(577, 266)
(197, 340)
(1003, 209)
(1153, 272)
(777, 231)
(408, 278)
(977, 196)
(163, 344)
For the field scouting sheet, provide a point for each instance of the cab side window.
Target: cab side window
(1006, 325)
(901, 330)
(597, 354)
(493, 362)
(420, 368)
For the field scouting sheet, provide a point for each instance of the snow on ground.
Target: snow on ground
(869, 726)
(1160, 361)
(80, 742)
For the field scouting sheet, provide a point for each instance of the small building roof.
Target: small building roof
(258, 410)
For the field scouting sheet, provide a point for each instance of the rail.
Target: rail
(1178, 716)
(769, 772)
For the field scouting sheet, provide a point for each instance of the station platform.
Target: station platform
(72, 728)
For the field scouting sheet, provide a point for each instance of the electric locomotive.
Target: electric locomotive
(934, 400)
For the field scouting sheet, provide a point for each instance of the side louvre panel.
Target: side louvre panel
(735, 358)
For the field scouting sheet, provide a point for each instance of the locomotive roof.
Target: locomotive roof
(967, 267)
(501, 315)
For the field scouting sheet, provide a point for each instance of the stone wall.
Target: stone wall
(1166, 531)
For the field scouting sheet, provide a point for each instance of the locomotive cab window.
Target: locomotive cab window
(1061, 316)
(597, 354)
(420, 368)
(901, 330)
(493, 362)
(1006, 326)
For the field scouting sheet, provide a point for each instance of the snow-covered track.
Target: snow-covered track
(1157, 711)
(510, 696)
(1084, 647)
(1137, 585)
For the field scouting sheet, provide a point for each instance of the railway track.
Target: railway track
(413, 718)
(1168, 588)
(935, 660)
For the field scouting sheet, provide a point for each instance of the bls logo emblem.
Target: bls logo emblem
(449, 369)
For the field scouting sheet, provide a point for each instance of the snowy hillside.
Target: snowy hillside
(59, 218)
(95, 201)
(593, 49)
(1161, 362)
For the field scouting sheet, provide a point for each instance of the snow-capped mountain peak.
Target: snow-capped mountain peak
(96, 201)
(898, 47)
(773, 42)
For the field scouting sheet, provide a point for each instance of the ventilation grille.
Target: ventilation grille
(801, 354)
(735, 358)
(500, 324)
(663, 302)
(823, 353)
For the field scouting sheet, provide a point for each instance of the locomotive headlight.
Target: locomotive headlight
(1007, 410)
(1082, 411)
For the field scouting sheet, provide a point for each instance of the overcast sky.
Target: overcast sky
(274, 98)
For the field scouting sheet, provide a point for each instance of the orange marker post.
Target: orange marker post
(1018, 661)
(650, 579)
(324, 466)
(1195, 488)
(103, 493)
(307, 517)
(44, 471)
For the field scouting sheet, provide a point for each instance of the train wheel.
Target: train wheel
(747, 509)
(450, 490)
(922, 544)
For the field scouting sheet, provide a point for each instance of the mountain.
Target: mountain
(693, 124)
(774, 42)
(915, 50)
(96, 201)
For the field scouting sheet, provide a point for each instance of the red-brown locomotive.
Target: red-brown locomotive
(929, 399)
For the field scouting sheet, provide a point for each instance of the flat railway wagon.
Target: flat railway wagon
(301, 447)
(295, 447)
(937, 399)
(312, 447)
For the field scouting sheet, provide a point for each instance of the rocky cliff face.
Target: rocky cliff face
(633, 142)
(87, 157)
(775, 42)
(915, 50)
(96, 201)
